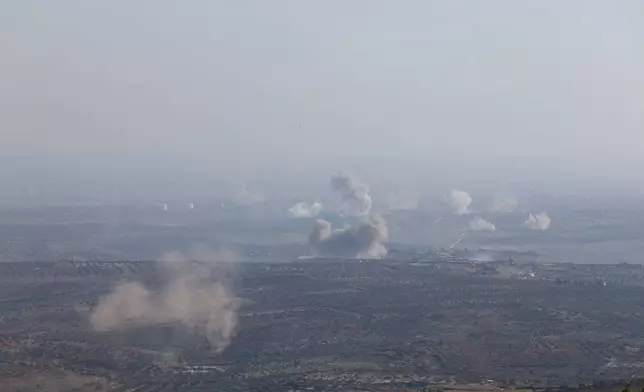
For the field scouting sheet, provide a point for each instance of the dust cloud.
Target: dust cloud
(355, 193)
(362, 241)
(196, 295)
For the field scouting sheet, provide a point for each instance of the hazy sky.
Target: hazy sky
(469, 90)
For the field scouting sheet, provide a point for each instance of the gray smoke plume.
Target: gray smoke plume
(305, 210)
(480, 224)
(197, 295)
(362, 241)
(353, 192)
(460, 202)
(503, 203)
(537, 222)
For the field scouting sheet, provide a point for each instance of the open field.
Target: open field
(334, 324)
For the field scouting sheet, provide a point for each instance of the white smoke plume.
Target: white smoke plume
(361, 241)
(460, 202)
(504, 204)
(196, 295)
(305, 210)
(537, 222)
(353, 192)
(480, 224)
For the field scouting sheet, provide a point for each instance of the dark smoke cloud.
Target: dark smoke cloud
(361, 241)
(197, 295)
(353, 192)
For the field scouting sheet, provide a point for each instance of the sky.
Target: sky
(410, 93)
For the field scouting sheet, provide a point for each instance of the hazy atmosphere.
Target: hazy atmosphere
(422, 94)
(324, 196)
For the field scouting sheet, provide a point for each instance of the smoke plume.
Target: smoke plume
(353, 192)
(305, 210)
(196, 295)
(460, 202)
(361, 241)
(504, 204)
(537, 222)
(480, 224)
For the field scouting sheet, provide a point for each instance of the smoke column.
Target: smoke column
(361, 241)
(480, 224)
(305, 210)
(460, 202)
(537, 222)
(197, 295)
(352, 191)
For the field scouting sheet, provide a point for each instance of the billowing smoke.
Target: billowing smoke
(305, 210)
(480, 224)
(196, 295)
(537, 222)
(355, 193)
(361, 241)
(460, 202)
(504, 204)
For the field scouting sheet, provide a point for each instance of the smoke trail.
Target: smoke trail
(197, 295)
(537, 222)
(460, 202)
(480, 224)
(353, 192)
(362, 241)
(305, 210)
(460, 239)
(504, 204)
